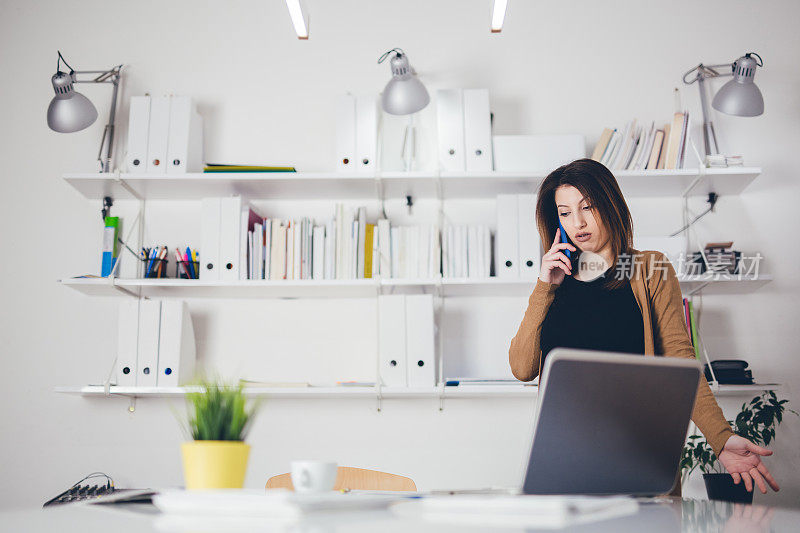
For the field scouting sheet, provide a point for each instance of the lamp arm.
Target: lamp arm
(706, 71)
(113, 77)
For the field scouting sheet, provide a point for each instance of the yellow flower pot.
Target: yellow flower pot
(214, 464)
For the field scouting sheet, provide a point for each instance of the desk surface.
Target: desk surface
(653, 516)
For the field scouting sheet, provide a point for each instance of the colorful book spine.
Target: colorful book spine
(368, 238)
(110, 246)
(695, 333)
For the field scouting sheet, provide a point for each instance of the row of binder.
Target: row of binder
(465, 130)
(517, 245)
(223, 241)
(165, 136)
(406, 340)
(356, 133)
(155, 343)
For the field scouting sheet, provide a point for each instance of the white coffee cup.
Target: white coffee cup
(313, 476)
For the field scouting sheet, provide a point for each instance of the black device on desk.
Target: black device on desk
(100, 493)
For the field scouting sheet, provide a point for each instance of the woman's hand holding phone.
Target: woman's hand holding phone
(555, 264)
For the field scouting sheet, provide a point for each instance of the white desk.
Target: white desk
(653, 517)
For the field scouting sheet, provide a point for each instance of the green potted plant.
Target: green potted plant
(218, 421)
(756, 422)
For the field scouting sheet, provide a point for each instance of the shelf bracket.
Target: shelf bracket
(440, 389)
(124, 184)
(698, 288)
(113, 283)
(378, 398)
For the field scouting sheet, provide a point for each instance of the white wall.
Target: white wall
(558, 67)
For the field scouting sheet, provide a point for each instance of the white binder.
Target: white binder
(158, 135)
(127, 342)
(138, 129)
(529, 245)
(176, 350)
(450, 122)
(507, 240)
(392, 340)
(185, 140)
(147, 356)
(346, 133)
(477, 130)
(229, 228)
(366, 134)
(209, 239)
(420, 359)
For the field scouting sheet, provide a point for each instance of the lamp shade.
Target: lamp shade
(69, 110)
(740, 96)
(404, 94)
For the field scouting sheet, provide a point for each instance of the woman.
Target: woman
(634, 305)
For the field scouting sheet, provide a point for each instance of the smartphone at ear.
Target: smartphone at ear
(564, 239)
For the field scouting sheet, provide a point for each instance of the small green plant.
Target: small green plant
(756, 422)
(219, 412)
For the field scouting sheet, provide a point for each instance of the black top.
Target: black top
(586, 315)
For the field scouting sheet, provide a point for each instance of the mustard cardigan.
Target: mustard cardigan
(658, 293)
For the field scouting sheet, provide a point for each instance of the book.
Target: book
(602, 144)
(662, 157)
(213, 167)
(655, 151)
(695, 333)
(369, 236)
(673, 146)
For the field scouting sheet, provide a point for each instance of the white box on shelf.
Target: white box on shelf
(176, 348)
(507, 238)
(346, 133)
(185, 139)
(529, 243)
(229, 238)
(127, 342)
(366, 134)
(211, 212)
(450, 123)
(539, 154)
(477, 130)
(158, 135)
(138, 130)
(392, 340)
(147, 354)
(420, 353)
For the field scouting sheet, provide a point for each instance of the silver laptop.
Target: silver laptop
(610, 423)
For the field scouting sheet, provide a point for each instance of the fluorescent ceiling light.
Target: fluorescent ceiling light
(498, 15)
(298, 20)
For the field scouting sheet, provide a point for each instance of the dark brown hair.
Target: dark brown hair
(599, 186)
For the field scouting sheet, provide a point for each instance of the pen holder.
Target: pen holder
(155, 268)
(187, 269)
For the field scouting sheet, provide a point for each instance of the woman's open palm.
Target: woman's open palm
(742, 459)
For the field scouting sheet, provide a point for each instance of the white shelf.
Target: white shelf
(358, 288)
(743, 390)
(462, 391)
(333, 185)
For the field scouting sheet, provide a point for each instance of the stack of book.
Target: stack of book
(639, 147)
(466, 251)
(346, 246)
